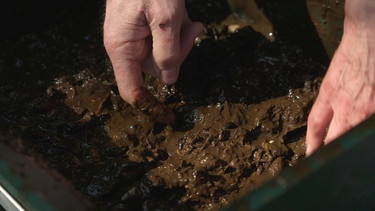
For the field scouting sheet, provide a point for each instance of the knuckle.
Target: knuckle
(112, 40)
(109, 44)
(167, 60)
(312, 121)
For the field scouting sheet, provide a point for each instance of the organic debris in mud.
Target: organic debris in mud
(240, 106)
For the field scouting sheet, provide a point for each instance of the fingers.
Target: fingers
(172, 42)
(336, 129)
(187, 37)
(319, 119)
(128, 75)
(154, 38)
(124, 34)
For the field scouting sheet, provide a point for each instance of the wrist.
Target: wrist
(359, 23)
(360, 11)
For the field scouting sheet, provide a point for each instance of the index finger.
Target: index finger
(128, 73)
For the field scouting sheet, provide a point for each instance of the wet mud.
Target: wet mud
(240, 108)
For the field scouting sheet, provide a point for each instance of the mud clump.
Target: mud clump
(239, 109)
(232, 149)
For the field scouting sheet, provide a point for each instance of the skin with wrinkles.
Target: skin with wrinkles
(347, 94)
(144, 36)
(156, 38)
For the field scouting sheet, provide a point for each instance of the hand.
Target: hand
(150, 36)
(347, 93)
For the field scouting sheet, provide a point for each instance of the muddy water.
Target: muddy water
(241, 105)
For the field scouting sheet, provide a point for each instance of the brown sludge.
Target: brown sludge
(235, 118)
(158, 110)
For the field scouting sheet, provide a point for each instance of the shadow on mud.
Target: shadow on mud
(237, 93)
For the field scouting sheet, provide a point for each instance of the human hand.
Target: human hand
(347, 93)
(150, 36)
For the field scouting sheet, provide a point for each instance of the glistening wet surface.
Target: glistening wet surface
(241, 105)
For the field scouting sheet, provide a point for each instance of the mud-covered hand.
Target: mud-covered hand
(347, 93)
(150, 36)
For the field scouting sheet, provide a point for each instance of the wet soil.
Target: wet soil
(241, 105)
